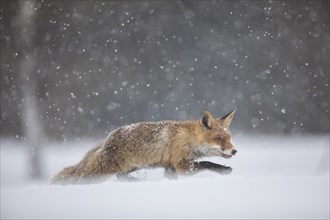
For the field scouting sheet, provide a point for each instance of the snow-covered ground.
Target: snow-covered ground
(273, 177)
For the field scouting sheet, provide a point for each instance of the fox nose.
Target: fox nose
(233, 152)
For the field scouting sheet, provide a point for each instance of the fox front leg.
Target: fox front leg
(182, 167)
(188, 167)
(218, 168)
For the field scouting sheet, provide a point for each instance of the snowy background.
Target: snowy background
(72, 71)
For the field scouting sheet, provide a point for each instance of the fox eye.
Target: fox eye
(218, 138)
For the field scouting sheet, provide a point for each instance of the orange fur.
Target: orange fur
(170, 144)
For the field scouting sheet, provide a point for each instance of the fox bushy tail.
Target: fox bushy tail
(88, 170)
(66, 176)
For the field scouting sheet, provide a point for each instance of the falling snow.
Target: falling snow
(155, 60)
(73, 71)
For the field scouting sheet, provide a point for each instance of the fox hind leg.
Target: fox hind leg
(170, 173)
(126, 176)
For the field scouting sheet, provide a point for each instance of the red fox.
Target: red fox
(174, 145)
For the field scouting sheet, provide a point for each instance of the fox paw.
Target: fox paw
(225, 170)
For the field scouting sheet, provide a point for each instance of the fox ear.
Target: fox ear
(206, 120)
(226, 120)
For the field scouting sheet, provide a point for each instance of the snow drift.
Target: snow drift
(273, 177)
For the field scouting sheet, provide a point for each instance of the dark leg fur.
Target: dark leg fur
(206, 165)
(189, 167)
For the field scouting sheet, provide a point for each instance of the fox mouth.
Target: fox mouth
(226, 156)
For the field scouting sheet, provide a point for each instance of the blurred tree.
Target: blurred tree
(102, 64)
(30, 115)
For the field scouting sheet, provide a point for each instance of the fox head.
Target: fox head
(216, 135)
